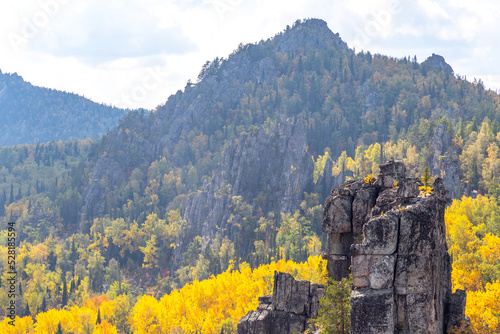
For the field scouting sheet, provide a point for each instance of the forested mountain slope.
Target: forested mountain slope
(31, 114)
(236, 166)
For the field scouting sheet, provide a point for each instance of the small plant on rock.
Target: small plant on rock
(369, 179)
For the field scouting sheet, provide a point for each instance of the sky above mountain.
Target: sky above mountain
(135, 53)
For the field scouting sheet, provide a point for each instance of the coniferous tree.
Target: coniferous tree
(334, 314)
(98, 322)
(43, 307)
(52, 260)
(27, 311)
(426, 177)
(64, 293)
(59, 329)
(11, 198)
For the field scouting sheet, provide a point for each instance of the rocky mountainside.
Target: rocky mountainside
(236, 166)
(253, 123)
(33, 114)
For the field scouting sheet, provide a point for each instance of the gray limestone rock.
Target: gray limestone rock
(287, 310)
(338, 214)
(290, 295)
(391, 172)
(456, 309)
(380, 235)
(363, 202)
(401, 269)
(373, 311)
(373, 271)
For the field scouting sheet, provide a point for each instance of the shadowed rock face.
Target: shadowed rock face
(394, 241)
(287, 310)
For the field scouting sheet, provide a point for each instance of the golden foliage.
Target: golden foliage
(204, 306)
(476, 259)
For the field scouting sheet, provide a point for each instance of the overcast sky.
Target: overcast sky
(135, 53)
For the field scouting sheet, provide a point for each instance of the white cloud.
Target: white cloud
(432, 9)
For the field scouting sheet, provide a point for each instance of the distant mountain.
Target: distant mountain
(31, 114)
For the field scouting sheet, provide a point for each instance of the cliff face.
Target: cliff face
(273, 160)
(394, 238)
(445, 160)
(287, 310)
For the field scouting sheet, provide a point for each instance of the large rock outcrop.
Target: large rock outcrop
(393, 239)
(288, 310)
(271, 160)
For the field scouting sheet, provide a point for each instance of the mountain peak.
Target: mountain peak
(308, 34)
(437, 63)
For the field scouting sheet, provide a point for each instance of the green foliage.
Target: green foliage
(426, 177)
(334, 314)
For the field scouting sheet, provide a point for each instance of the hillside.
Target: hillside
(236, 167)
(33, 114)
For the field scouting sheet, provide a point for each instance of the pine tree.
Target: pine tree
(64, 293)
(98, 322)
(27, 311)
(334, 315)
(11, 197)
(59, 329)
(43, 307)
(426, 177)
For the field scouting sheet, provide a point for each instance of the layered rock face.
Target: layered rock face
(393, 239)
(287, 310)
(273, 161)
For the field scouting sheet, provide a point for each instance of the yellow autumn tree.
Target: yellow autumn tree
(206, 306)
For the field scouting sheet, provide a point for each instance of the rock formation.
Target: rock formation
(273, 160)
(394, 239)
(287, 310)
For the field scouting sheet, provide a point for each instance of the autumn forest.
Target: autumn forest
(176, 219)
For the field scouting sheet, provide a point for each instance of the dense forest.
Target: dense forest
(232, 173)
(32, 114)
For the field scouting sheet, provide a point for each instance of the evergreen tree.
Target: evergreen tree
(11, 198)
(64, 293)
(27, 311)
(334, 314)
(59, 329)
(52, 260)
(98, 322)
(426, 177)
(43, 307)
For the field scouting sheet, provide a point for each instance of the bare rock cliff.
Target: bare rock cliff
(393, 239)
(287, 310)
